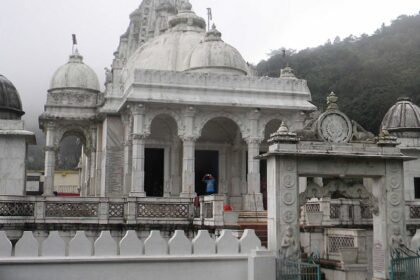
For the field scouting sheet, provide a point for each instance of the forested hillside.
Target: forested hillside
(368, 73)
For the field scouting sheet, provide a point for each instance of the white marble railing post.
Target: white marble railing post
(50, 152)
(138, 151)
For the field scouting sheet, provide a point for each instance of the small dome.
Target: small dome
(10, 104)
(214, 55)
(169, 51)
(403, 119)
(75, 74)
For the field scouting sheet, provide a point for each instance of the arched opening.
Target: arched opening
(71, 177)
(162, 158)
(220, 151)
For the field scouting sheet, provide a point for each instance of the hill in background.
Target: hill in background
(368, 73)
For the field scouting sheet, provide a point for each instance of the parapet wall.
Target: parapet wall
(130, 245)
(204, 257)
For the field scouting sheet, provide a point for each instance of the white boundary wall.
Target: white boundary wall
(131, 258)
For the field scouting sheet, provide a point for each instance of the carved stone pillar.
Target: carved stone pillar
(188, 167)
(176, 168)
(50, 153)
(253, 198)
(167, 171)
(188, 137)
(223, 184)
(92, 173)
(389, 227)
(138, 151)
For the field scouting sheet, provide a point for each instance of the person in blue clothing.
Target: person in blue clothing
(210, 182)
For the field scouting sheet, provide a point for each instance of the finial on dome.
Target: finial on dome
(74, 46)
(209, 18)
(287, 73)
(213, 34)
(283, 135)
(332, 100)
(405, 98)
(186, 5)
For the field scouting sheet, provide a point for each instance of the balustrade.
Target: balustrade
(77, 210)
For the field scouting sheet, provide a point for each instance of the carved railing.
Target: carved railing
(67, 189)
(413, 209)
(338, 212)
(83, 210)
(342, 239)
(352, 212)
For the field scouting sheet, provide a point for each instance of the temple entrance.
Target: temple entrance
(154, 172)
(206, 162)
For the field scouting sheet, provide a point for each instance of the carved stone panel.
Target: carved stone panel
(335, 127)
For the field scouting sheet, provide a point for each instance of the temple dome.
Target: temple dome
(10, 104)
(403, 119)
(170, 50)
(75, 74)
(214, 55)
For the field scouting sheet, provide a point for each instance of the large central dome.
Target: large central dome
(170, 50)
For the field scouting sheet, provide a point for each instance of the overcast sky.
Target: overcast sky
(35, 35)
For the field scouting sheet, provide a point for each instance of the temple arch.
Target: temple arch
(200, 123)
(221, 151)
(162, 156)
(153, 114)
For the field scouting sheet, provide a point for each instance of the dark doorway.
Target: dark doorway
(417, 188)
(206, 162)
(154, 172)
(263, 181)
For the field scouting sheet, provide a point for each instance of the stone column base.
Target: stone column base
(137, 194)
(253, 202)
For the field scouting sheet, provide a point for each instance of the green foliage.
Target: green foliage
(368, 73)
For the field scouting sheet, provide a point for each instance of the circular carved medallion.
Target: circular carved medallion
(395, 183)
(289, 198)
(289, 181)
(396, 216)
(395, 199)
(289, 217)
(335, 127)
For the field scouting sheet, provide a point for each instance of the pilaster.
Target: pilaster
(389, 226)
(283, 206)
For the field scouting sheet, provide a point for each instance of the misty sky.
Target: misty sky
(35, 35)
